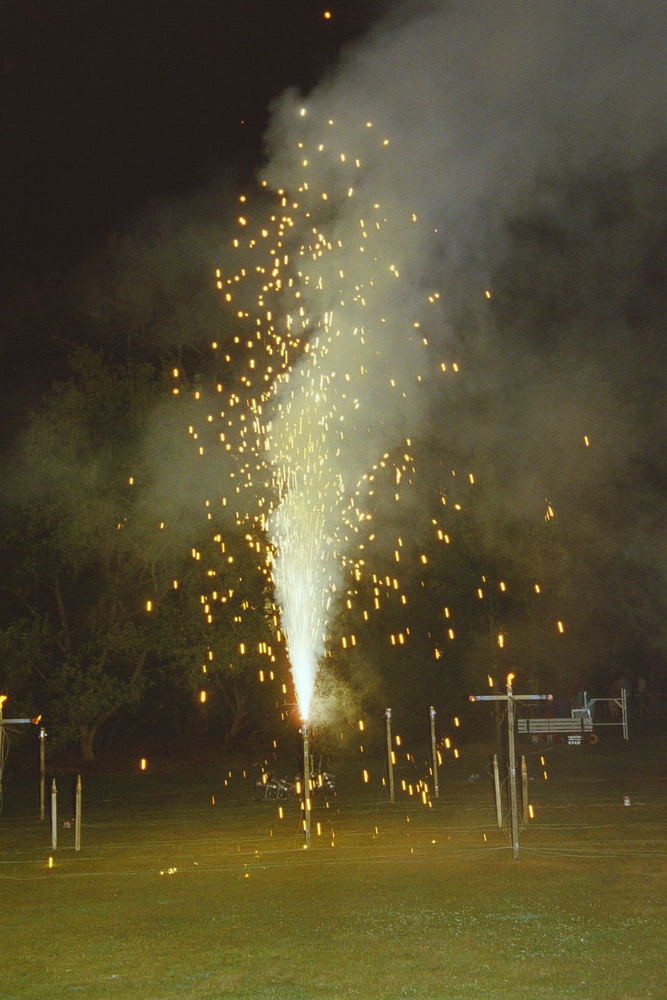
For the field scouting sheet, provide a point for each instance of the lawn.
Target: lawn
(187, 887)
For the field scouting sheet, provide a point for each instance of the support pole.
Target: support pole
(514, 805)
(77, 815)
(624, 713)
(54, 815)
(306, 783)
(524, 789)
(434, 753)
(496, 788)
(42, 773)
(390, 756)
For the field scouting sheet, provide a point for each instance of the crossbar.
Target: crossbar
(555, 725)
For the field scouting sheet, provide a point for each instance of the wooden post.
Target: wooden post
(42, 773)
(496, 787)
(390, 756)
(434, 753)
(54, 814)
(77, 815)
(524, 789)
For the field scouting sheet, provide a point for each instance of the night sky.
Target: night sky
(108, 108)
(109, 105)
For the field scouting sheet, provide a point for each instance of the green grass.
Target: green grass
(173, 897)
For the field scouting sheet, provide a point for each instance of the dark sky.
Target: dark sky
(107, 105)
(110, 107)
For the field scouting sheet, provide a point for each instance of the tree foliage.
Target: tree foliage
(99, 598)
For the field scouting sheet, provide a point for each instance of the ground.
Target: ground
(187, 887)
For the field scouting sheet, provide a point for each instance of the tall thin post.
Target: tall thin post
(434, 753)
(54, 814)
(3, 746)
(524, 789)
(514, 805)
(390, 756)
(42, 773)
(496, 788)
(624, 713)
(306, 783)
(77, 815)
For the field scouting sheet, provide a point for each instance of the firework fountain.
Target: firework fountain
(303, 529)
(337, 353)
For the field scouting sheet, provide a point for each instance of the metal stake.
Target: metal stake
(306, 783)
(496, 788)
(54, 815)
(77, 815)
(434, 753)
(514, 805)
(524, 789)
(42, 772)
(390, 756)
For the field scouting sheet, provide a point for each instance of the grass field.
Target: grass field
(174, 896)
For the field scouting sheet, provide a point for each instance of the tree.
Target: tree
(85, 568)
(102, 602)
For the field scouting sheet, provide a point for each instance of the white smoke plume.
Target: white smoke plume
(448, 144)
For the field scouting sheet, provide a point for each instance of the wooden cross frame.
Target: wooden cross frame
(511, 698)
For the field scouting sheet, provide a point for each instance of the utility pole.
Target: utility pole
(510, 698)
